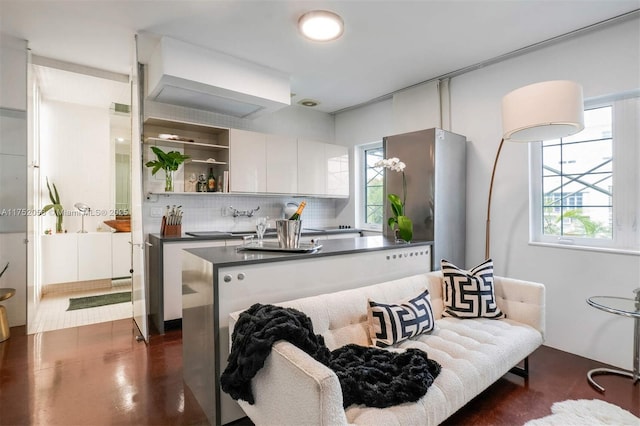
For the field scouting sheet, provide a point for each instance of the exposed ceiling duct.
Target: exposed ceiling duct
(184, 74)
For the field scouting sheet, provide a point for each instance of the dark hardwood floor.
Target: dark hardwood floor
(99, 374)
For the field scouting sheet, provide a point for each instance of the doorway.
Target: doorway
(81, 131)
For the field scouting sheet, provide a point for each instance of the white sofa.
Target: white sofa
(293, 389)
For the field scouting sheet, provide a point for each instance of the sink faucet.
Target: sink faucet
(247, 213)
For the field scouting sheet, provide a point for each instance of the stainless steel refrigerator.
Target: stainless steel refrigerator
(436, 189)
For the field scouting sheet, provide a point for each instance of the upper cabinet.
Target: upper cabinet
(323, 169)
(337, 163)
(311, 167)
(248, 166)
(247, 162)
(282, 160)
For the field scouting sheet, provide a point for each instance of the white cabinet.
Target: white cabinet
(323, 169)
(337, 166)
(172, 274)
(311, 167)
(120, 254)
(247, 161)
(282, 160)
(76, 257)
(94, 256)
(59, 258)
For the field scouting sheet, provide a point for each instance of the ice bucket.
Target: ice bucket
(288, 232)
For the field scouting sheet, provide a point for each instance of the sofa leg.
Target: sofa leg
(522, 371)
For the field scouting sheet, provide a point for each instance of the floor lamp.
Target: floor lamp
(540, 111)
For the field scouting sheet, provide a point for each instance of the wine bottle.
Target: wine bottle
(296, 215)
(211, 182)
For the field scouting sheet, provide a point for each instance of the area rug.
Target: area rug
(100, 300)
(586, 412)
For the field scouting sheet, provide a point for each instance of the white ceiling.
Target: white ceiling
(386, 46)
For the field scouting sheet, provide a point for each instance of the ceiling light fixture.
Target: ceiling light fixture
(321, 25)
(308, 102)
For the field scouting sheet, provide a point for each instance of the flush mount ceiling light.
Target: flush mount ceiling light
(321, 25)
(308, 102)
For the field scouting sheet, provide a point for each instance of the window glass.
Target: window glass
(374, 189)
(577, 180)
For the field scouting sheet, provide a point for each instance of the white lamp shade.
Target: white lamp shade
(543, 111)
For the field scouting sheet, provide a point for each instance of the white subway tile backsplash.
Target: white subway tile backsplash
(210, 212)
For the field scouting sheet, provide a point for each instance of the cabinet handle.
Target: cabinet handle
(241, 276)
(227, 278)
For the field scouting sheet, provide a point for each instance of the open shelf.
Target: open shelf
(179, 143)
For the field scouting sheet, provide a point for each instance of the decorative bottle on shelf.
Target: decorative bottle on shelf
(211, 182)
(296, 215)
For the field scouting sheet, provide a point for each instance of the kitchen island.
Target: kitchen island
(165, 270)
(222, 280)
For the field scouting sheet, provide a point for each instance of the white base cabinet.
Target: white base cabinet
(172, 275)
(94, 256)
(59, 258)
(83, 257)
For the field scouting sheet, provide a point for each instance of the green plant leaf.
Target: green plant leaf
(392, 221)
(55, 190)
(405, 228)
(396, 204)
(166, 160)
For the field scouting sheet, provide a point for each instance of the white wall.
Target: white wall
(406, 111)
(76, 154)
(605, 61)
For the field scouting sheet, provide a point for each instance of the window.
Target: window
(586, 190)
(373, 187)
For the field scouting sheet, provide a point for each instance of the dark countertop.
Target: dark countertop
(271, 233)
(231, 256)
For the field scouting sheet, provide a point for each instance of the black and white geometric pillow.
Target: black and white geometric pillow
(392, 323)
(469, 294)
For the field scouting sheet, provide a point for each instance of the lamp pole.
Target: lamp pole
(487, 247)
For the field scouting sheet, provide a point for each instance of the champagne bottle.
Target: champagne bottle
(296, 215)
(211, 182)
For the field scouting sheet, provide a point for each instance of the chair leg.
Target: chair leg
(521, 371)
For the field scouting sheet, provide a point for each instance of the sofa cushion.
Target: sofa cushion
(390, 323)
(473, 353)
(469, 294)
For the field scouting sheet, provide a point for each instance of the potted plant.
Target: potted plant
(55, 205)
(401, 224)
(167, 161)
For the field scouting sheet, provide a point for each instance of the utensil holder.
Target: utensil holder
(288, 232)
(170, 230)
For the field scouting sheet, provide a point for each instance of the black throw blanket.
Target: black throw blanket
(368, 375)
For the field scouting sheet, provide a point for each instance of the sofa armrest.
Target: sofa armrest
(294, 389)
(522, 301)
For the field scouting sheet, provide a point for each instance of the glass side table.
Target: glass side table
(629, 308)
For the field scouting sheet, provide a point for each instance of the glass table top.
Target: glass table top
(616, 305)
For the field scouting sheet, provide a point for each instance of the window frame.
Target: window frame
(361, 200)
(625, 183)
